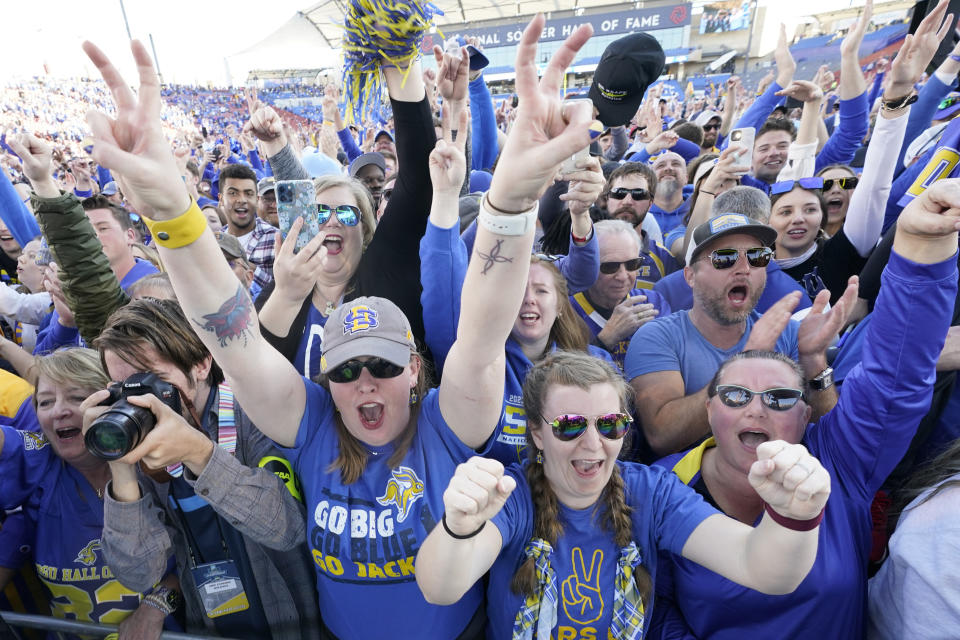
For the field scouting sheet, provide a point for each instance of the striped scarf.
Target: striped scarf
(539, 610)
(226, 427)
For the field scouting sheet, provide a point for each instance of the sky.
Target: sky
(192, 37)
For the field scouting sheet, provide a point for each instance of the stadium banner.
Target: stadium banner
(667, 17)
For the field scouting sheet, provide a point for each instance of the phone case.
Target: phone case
(297, 199)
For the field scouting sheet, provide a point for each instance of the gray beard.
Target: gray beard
(667, 189)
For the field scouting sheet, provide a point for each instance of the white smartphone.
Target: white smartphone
(743, 137)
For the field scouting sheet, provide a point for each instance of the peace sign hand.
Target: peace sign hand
(133, 144)
(448, 164)
(582, 601)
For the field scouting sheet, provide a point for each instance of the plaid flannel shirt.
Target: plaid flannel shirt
(262, 251)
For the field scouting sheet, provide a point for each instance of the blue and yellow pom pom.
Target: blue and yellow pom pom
(379, 33)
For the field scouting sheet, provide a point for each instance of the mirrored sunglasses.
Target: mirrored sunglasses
(726, 258)
(571, 426)
(347, 214)
(779, 399)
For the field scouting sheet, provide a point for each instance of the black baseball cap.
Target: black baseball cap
(627, 67)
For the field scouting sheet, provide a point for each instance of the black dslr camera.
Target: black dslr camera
(118, 431)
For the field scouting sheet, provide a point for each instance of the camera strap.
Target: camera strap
(226, 426)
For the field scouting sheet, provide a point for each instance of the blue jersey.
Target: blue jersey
(585, 557)
(596, 318)
(509, 441)
(859, 443)
(67, 516)
(656, 262)
(669, 219)
(307, 361)
(364, 536)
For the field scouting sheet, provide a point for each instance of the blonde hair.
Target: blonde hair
(569, 331)
(73, 366)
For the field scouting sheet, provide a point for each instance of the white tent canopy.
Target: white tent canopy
(298, 44)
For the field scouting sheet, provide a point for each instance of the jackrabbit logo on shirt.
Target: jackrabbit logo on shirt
(88, 555)
(403, 489)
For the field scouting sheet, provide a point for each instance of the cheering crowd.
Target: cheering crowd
(609, 364)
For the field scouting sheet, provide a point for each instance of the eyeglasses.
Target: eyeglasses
(351, 369)
(780, 399)
(636, 194)
(726, 258)
(346, 213)
(571, 426)
(611, 268)
(845, 183)
(787, 185)
(711, 127)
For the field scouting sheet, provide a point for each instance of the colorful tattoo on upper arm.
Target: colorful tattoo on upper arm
(233, 320)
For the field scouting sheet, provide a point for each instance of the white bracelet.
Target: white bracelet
(516, 224)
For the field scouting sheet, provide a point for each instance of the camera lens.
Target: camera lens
(118, 431)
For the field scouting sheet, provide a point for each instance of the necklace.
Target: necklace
(99, 493)
(329, 308)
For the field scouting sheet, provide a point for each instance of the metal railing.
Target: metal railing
(60, 626)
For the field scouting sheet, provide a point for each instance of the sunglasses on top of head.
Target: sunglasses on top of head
(756, 257)
(787, 185)
(351, 370)
(347, 214)
(636, 194)
(948, 102)
(844, 183)
(571, 426)
(780, 399)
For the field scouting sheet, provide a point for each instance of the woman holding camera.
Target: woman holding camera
(373, 449)
(60, 487)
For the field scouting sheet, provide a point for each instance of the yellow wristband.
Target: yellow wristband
(180, 231)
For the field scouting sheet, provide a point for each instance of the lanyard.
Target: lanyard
(226, 427)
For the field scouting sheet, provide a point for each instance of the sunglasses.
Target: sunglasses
(611, 268)
(845, 183)
(737, 397)
(351, 369)
(726, 258)
(571, 426)
(636, 194)
(948, 102)
(787, 185)
(711, 127)
(347, 214)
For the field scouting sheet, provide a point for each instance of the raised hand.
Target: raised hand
(586, 185)
(818, 329)
(133, 144)
(916, 52)
(927, 227)
(582, 601)
(264, 124)
(663, 140)
(546, 131)
(448, 164)
(786, 65)
(766, 330)
(452, 75)
(297, 273)
(36, 160)
(476, 493)
(802, 90)
(790, 480)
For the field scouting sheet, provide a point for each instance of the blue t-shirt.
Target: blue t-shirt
(585, 557)
(596, 321)
(66, 516)
(307, 360)
(364, 536)
(674, 344)
(680, 296)
(509, 441)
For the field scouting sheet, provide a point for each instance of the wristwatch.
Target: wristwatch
(165, 599)
(823, 380)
